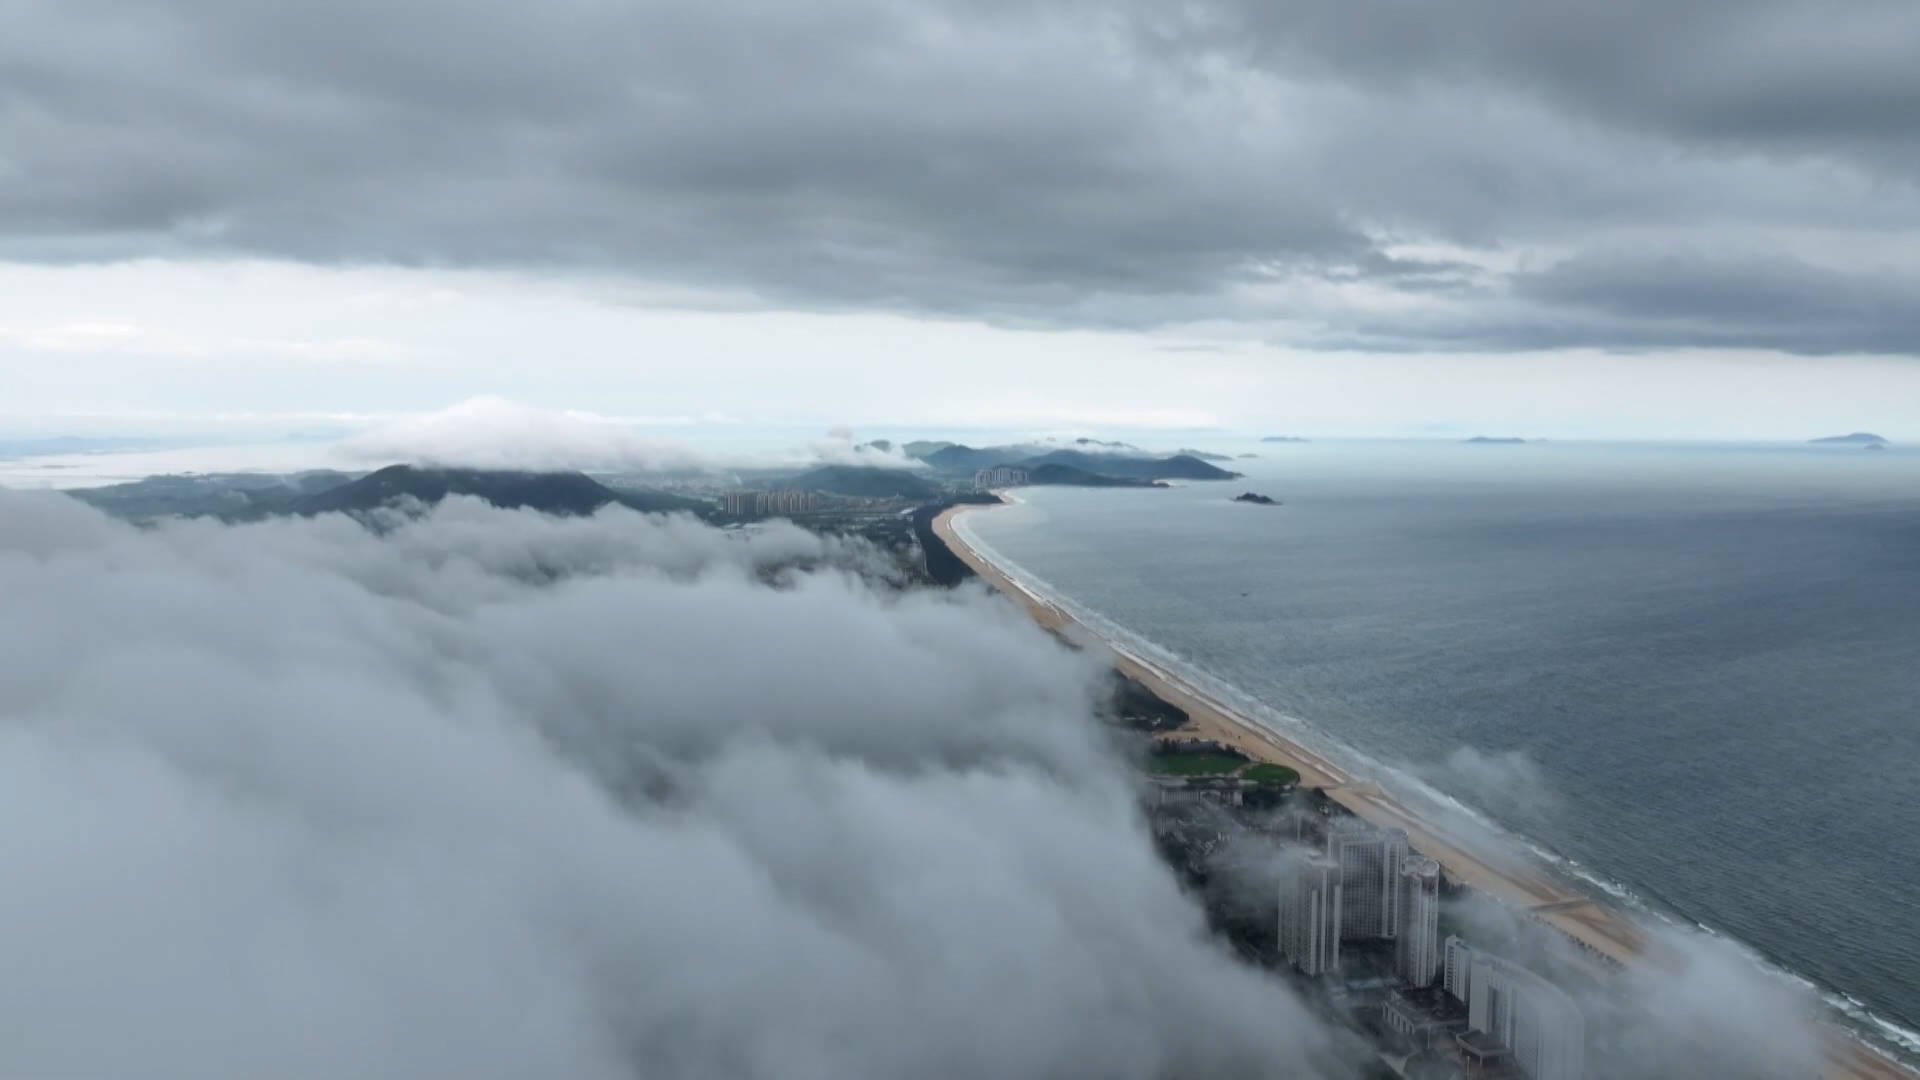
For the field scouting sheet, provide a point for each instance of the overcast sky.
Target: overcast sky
(1330, 216)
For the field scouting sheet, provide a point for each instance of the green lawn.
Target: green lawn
(1194, 764)
(1271, 774)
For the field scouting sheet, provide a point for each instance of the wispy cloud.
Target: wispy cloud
(495, 433)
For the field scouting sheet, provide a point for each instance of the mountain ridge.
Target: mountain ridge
(863, 481)
(564, 493)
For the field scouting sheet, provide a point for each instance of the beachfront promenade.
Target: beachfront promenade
(1478, 862)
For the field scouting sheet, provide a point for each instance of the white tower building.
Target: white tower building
(1310, 911)
(1417, 950)
(1457, 968)
(1522, 1011)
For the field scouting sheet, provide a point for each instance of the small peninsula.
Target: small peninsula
(1499, 440)
(1255, 499)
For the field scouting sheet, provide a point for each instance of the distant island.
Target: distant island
(1255, 499)
(1862, 438)
(1177, 467)
(956, 460)
(1284, 438)
(1068, 475)
(1501, 440)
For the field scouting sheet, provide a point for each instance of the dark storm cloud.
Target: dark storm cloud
(844, 151)
(1057, 164)
(1783, 76)
(1772, 300)
(1628, 299)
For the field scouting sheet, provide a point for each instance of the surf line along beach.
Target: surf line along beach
(1477, 862)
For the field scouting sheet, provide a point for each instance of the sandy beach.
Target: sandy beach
(1474, 861)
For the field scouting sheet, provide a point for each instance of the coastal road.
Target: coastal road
(1475, 861)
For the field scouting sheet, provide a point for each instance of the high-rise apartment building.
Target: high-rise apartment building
(1456, 968)
(763, 503)
(999, 476)
(1369, 860)
(1310, 911)
(1417, 949)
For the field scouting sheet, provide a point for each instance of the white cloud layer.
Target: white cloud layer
(494, 433)
(498, 795)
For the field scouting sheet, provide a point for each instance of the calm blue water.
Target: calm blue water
(1696, 671)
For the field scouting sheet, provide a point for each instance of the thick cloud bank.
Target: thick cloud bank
(496, 795)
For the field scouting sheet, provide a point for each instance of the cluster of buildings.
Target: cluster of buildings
(766, 503)
(1362, 889)
(1367, 885)
(1000, 476)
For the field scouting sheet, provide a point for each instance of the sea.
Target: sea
(1689, 674)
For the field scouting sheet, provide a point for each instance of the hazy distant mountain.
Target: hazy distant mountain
(1857, 437)
(252, 496)
(1178, 467)
(1502, 440)
(1205, 455)
(1284, 438)
(920, 448)
(864, 481)
(568, 493)
(961, 458)
(958, 459)
(1055, 473)
(228, 496)
(648, 501)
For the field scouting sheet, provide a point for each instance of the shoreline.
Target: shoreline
(1512, 878)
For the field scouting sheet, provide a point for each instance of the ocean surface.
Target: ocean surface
(1692, 671)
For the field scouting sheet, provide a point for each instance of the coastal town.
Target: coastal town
(1360, 920)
